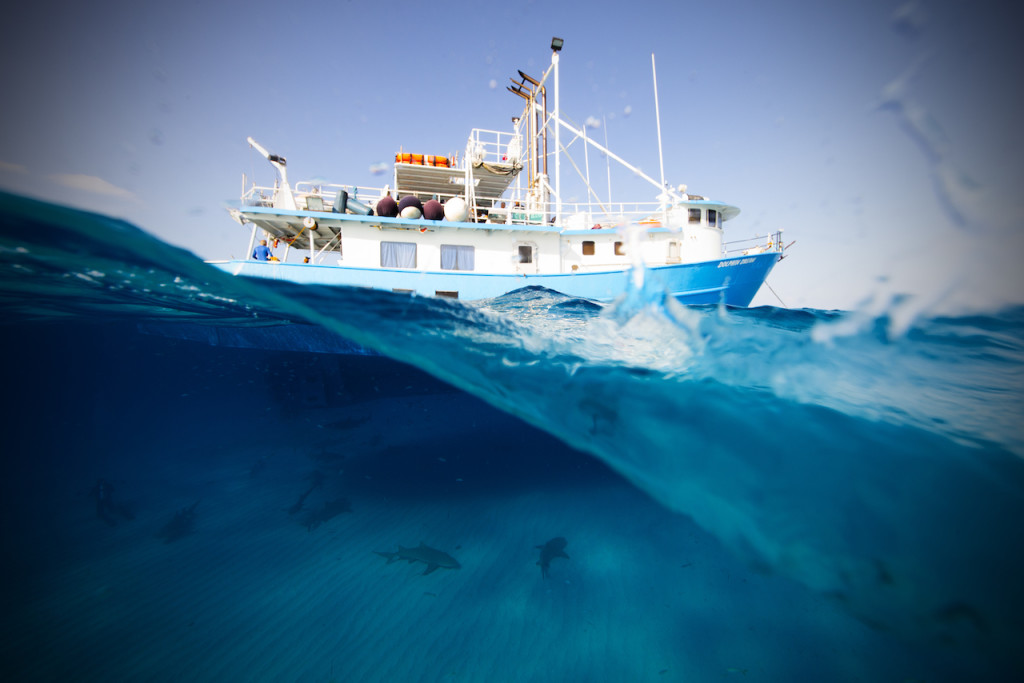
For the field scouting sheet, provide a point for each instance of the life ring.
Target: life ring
(309, 222)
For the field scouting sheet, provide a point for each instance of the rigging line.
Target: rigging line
(776, 295)
(590, 190)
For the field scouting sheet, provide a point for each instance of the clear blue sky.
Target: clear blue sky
(884, 137)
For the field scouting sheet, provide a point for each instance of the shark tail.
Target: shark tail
(390, 557)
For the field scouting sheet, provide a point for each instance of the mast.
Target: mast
(556, 46)
(657, 116)
(608, 161)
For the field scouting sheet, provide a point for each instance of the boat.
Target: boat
(495, 219)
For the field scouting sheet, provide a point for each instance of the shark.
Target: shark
(181, 525)
(431, 557)
(316, 479)
(328, 512)
(549, 551)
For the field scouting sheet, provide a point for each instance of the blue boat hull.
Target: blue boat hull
(733, 281)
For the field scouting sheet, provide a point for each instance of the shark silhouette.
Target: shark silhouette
(549, 551)
(328, 512)
(431, 557)
(181, 525)
(316, 479)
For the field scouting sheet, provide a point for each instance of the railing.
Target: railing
(512, 211)
(753, 245)
(327, 193)
(493, 147)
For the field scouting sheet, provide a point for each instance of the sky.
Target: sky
(883, 137)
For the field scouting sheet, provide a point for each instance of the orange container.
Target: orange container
(417, 159)
(441, 161)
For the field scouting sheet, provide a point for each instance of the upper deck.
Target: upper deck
(490, 165)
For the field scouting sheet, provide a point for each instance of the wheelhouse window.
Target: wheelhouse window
(457, 257)
(398, 254)
(525, 253)
(694, 215)
(619, 249)
(713, 218)
(588, 247)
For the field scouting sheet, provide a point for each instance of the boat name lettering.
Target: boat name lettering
(736, 262)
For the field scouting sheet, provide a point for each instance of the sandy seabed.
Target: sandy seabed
(253, 594)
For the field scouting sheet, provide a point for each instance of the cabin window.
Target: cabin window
(457, 257)
(588, 248)
(525, 253)
(619, 250)
(398, 254)
(446, 294)
(694, 215)
(712, 217)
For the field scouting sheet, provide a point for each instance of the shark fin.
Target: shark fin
(561, 553)
(430, 568)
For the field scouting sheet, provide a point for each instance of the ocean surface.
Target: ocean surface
(207, 478)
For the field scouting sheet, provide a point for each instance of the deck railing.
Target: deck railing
(758, 244)
(503, 210)
(494, 147)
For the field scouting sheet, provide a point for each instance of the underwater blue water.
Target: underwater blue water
(871, 464)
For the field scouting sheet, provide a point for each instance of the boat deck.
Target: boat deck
(426, 182)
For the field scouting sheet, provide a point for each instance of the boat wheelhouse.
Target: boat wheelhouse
(493, 219)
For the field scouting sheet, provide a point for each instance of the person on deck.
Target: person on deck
(262, 251)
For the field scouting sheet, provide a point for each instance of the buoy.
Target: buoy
(387, 207)
(455, 209)
(309, 222)
(432, 210)
(410, 207)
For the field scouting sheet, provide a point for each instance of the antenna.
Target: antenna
(657, 115)
(608, 161)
